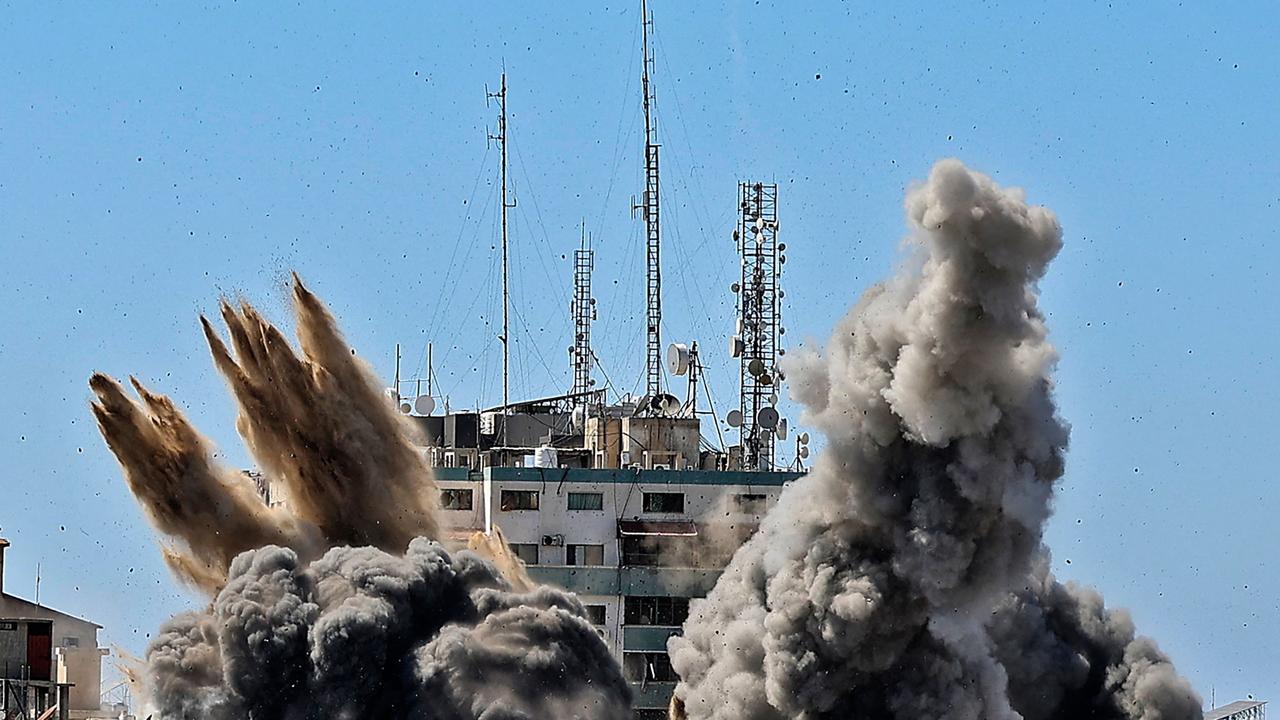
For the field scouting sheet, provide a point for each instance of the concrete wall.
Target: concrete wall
(75, 641)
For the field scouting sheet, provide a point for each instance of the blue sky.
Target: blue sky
(155, 156)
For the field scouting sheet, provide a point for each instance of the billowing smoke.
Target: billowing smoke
(346, 605)
(905, 576)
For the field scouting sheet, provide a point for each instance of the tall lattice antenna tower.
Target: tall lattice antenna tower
(759, 323)
(584, 311)
(649, 204)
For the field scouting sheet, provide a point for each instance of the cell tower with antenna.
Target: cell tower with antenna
(584, 311)
(653, 235)
(759, 325)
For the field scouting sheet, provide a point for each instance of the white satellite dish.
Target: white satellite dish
(405, 408)
(804, 451)
(678, 358)
(767, 417)
(782, 429)
(734, 418)
(804, 438)
(755, 367)
(424, 405)
(735, 346)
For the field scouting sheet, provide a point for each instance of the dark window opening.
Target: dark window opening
(662, 502)
(661, 611)
(456, 499)
(518, 500)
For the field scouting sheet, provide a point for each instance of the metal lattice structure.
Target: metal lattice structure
(653, 238)
(583, 313)
(759, 318)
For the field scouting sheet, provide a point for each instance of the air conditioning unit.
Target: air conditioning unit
(661, 466)
(553, 540)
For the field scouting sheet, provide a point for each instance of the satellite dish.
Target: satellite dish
(767, 417)
(773, 399)
(782, 429)
(781, 246)
(664, 404)
(755, 367)
(405, 408)
(735, 287)
(804, 452)
(424, 405)
(765, 379)
(804, 438)
(678, 358)
(735, 346)
(734, 418)
(579, 417)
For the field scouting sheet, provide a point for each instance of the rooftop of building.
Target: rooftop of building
(1234, 708)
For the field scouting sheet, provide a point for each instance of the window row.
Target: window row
(662, 611)
(574, 554)
(652, 502)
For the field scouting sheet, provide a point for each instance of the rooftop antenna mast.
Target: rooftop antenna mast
(501, 137)
(584, 311)
(759, 323)
(649, 204)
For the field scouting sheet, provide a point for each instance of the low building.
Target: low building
(47, 658)
(1240, 710)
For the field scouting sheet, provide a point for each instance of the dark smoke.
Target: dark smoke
(346, 606)
(905, 576)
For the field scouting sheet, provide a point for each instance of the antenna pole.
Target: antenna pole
(759, 318)
(653, 238)
(583, 313)
(397, 382)
(429, 368)
(501, 137)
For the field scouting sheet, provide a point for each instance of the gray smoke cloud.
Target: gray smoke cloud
(905, 576)
(346, 605)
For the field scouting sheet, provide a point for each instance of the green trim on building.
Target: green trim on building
(647, 477)
(648, 639)
(640, 581)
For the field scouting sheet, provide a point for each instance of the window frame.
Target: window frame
(647, 502)
(516, 548)
(456, 492)
(513, 494)
(573, 550)
(597, 496)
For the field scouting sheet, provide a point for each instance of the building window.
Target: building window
(584, 555)
(586, 501)
(71, 642)
(595, 613)
(649, 714)
(664, 502)
(754, 503)
(456, 499)
(527, 552)
(648, 667)
(518, 500)
(662, 611)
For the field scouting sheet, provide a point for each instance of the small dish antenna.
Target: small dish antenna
(734, 418)
(755, 367)
(665, 404)
(782, 429)
(767, 417)
(804, 451)
(405, 408)
(804, 438)
(678, 358)
(424, 405)
(736, 346)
